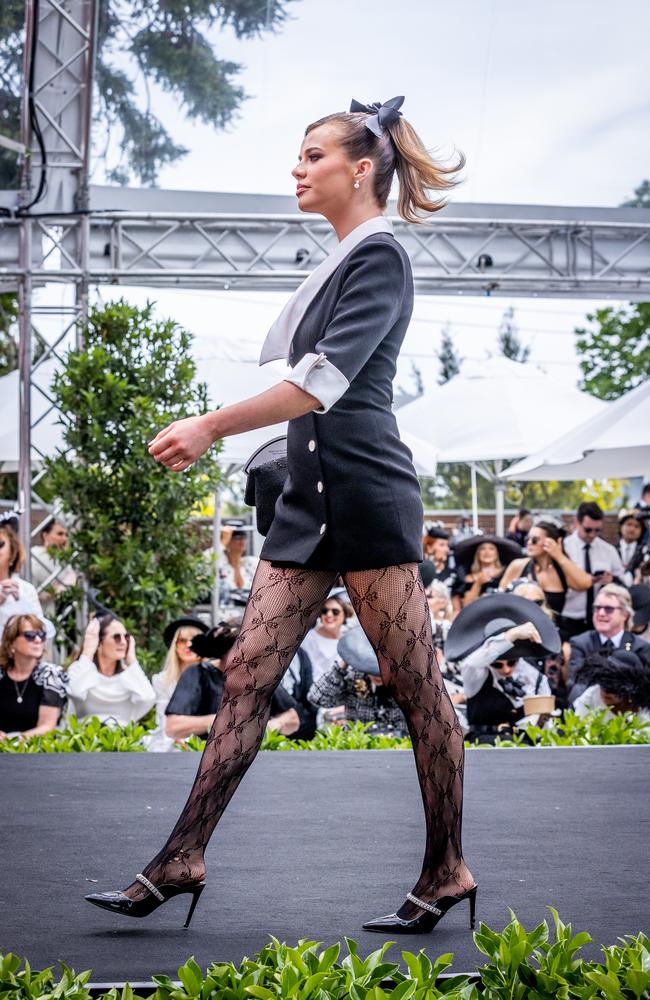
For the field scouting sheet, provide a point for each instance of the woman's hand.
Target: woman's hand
(527, 631)
(553, 548)
(180, 444)
(91, 639)
(130, 657)
(8, 588)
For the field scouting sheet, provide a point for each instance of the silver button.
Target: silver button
(312, 445)
(322, 529)
(319, 486)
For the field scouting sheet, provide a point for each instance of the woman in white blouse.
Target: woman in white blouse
(236, 569)
(106, 680)
(320, 642)
(17, 596)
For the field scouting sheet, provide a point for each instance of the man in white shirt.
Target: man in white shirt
(596, 556)
(611, 617)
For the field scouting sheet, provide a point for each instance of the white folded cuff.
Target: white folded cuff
(320, 378)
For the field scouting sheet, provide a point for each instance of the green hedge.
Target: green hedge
(595, 730)
(541, 964)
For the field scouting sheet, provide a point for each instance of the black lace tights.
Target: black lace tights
(284, 603)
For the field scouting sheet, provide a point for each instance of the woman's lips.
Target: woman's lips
(300, 189)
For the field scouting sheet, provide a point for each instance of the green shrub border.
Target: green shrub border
(598, 729)
(541, 964)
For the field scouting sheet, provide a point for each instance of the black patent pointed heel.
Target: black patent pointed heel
(118, 902)
(432, 914)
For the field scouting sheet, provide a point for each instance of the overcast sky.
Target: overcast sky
(549, 101)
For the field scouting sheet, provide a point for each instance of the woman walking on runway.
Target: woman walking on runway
(350, 505)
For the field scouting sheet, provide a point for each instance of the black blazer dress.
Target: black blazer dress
(351, 500)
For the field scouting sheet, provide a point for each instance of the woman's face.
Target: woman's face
(440, 549)
(616, 702)
(488, 553)
(631, 530)
(331, 617)
(115, 643)
(324, 175)
(183, 639)
(237, 545)
(535, 542)
(5, 554)
(30, 641)
(437, 604)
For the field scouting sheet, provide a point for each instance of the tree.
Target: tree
(641, 197)
(509, 343)
(450, 360)
(8, 332)
(141, 42)
(615, 351)
(131, 537)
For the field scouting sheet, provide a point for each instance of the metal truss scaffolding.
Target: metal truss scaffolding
(64, 232)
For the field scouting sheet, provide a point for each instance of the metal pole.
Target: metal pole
(499, 496)
(216, 548)
(474, 498)
(24, 395)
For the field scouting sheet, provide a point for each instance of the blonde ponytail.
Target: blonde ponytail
(418, 173)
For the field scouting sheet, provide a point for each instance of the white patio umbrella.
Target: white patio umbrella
(613, 443)
(491, 413)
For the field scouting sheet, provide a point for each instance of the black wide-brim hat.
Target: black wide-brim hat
(170, 630)
(495, 613)
(465, 550)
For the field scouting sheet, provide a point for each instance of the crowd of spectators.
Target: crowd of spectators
(570, 624)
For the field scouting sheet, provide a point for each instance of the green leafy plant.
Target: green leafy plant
(131, 536)
(92, 736)
(614, 350)
(522, 965)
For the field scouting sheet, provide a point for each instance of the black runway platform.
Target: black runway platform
(311, 846)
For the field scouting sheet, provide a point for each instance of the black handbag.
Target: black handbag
(266, 473)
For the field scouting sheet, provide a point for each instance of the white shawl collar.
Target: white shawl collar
(278, 339)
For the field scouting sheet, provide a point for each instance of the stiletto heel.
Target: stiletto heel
(196, 895)
(472, 907)
(431, 915)
(118, 902)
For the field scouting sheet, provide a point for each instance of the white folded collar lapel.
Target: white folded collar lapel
(278, 340)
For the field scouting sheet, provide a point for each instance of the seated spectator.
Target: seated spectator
(630, 544)
(640, 595)
(236, 569)
(435, 547)
(33, 692)
(484, 558)
(17, 596)
(643, 507)
(519, 527)
(356, 685)
(106, 680)
(441, 610)
(193, 705)
(320, 643)
(618, 682)
(491, 639)
(598, 558)
(551, 666)
(611, 619)
(177, 637)
(548, 565)
(195, 701)
(49, 576)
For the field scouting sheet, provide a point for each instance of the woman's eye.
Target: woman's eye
(313, 156)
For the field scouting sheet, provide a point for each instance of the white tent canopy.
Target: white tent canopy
(496, 409)
(493, 412)
(615, 443)
(47, 434)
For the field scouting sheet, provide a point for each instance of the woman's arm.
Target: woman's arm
(513, 571)
(48, 716)
(179, 727)
(183, 441)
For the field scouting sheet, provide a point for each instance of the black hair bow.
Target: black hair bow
(381, 115)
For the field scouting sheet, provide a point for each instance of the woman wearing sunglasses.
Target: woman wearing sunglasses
(320, 643)
(33, 692)
(106, 679)
(548, 565)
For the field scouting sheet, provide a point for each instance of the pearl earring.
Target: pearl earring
(357, 185)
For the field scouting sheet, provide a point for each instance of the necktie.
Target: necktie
(590, 592)
(607, 646)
